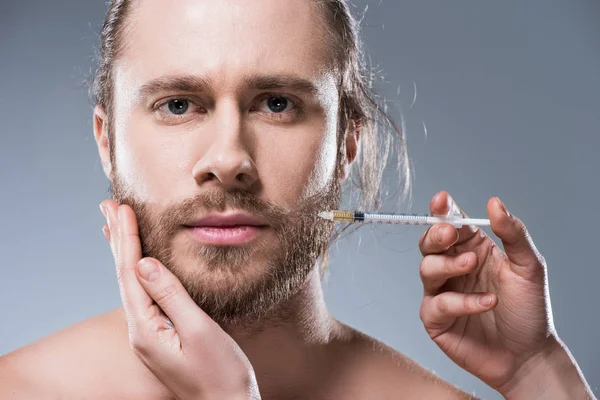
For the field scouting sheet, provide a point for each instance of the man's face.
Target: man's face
(225, 117)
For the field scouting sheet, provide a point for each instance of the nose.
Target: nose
(228, 161)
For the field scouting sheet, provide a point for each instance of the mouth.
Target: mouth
(232, 229)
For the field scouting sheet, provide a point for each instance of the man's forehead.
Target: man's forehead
(224, 46)
(224, 39)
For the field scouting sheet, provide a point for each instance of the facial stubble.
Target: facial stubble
(225, 281)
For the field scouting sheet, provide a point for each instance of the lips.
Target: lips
(226, 229)
(225, 220)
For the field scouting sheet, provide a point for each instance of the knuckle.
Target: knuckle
(135, 344)
(523, 229)
(528, 246)
(469, 302)
(541, 259)
(457, 261)
(139, 344)
(463, 260)
(423, 312)
(166, 294)
(450, 264)
(424, 268)
(442, 305)
(523, 233)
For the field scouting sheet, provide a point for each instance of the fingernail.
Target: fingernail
(148, 269)
(504, 208)
(485, 300)
(440, 233)
(106, 232)
(103, 210)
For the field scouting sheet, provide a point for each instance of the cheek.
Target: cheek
(325, 151)
(325, 157)
(151, 163)
(298, 166)
(306, 158)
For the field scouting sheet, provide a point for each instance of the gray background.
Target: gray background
(507, 91)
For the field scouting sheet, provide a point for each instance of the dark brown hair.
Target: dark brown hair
(378, 132)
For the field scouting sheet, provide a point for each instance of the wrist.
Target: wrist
(552, 373)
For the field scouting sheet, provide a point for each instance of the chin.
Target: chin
(222, 268)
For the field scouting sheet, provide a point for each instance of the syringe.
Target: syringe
(407, 219)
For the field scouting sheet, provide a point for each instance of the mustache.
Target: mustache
(212, 200)
(178, 213)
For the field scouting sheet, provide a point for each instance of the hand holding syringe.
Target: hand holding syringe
(407, 219)
(500, 294)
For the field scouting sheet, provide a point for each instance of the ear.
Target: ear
(101, 135)
(352, 137)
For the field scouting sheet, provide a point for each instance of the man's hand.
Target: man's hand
(186, 350)
(488, 310)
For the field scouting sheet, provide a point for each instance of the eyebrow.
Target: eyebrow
(270, 82)
(197, 83)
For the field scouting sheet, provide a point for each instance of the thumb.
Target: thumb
(518, 245)
(172, 298)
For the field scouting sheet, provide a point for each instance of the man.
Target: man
(224, 127)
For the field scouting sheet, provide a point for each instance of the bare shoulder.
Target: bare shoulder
(87, 357)
(384, 373)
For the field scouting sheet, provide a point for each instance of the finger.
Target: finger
(108, 208)
(136, 302)
(172, 298)
(444, 205)
(106, 232)
(517, 242)
(438, 238)
(440, 312)
(435, 270)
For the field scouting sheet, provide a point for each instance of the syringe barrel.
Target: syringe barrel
(391, 218)
(401, 218)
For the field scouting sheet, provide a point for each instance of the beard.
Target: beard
(236, 284)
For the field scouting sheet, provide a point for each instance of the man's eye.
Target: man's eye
(178, 106)
(178, 110)
(276, 104)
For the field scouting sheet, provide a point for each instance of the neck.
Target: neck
(289, 350)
